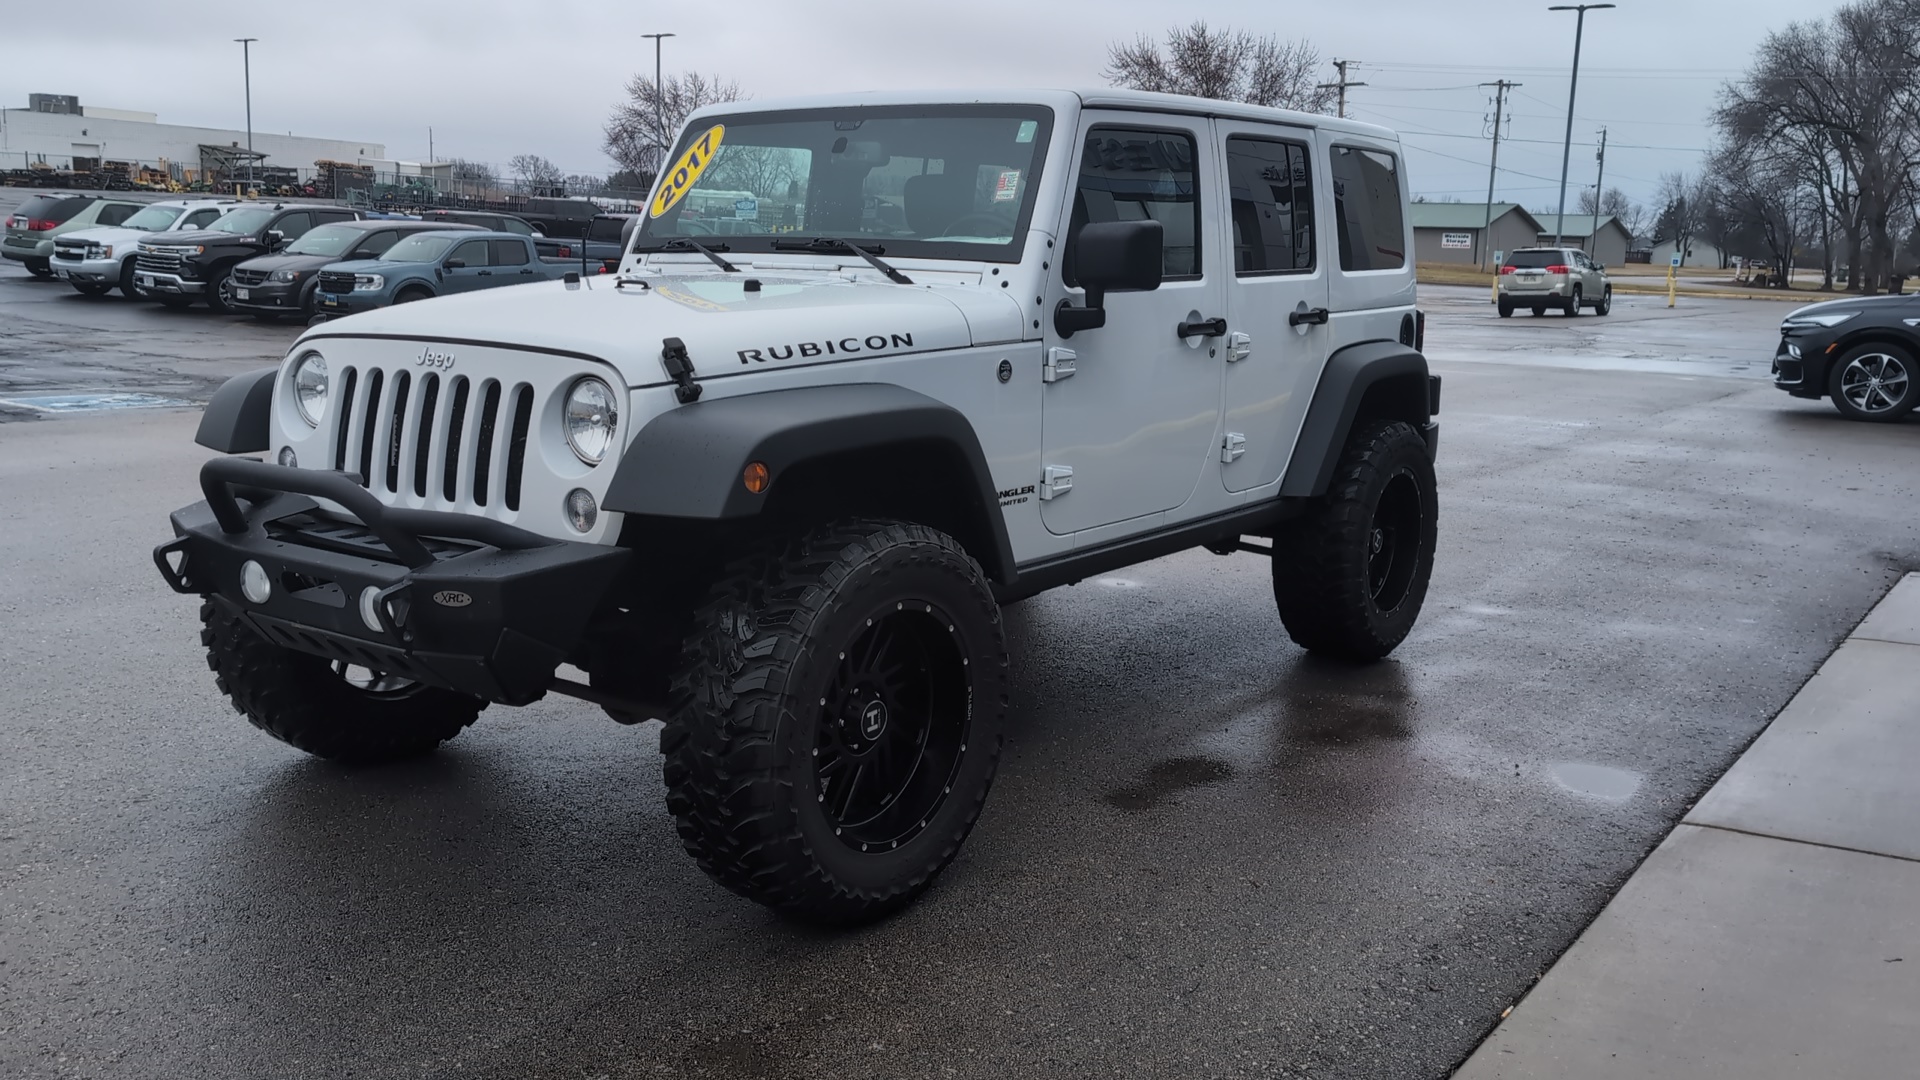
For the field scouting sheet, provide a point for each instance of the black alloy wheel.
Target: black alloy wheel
(1874, 382)
(220, 292)
(1394, 542)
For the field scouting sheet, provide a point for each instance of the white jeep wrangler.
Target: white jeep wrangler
(774, 480)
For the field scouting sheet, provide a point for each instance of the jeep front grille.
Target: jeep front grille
(449, 439)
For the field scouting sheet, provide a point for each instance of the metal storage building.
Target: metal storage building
(1451, 232)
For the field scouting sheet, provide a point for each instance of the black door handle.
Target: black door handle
(1310, 317)
(484, 273)
(1215, 327)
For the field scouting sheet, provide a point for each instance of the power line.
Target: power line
(1341, 66)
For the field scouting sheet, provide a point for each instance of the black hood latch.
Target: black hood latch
(673, 357)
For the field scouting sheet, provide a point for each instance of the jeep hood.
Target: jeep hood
(788, 322)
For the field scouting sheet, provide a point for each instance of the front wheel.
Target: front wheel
(1606, 301)
(220, 293)
(1873, 382)
(836, 719)
(39, 268)
(89, 288)
(329, 710)
(1349, 577)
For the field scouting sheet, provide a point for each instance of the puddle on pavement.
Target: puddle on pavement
(68, 403)
(1596, 781)
(1167, 779)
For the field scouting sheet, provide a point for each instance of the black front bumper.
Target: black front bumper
(277, 298)
(463, 602)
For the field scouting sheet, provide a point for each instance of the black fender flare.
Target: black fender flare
(688, 462)
(1344, 384)
(238, 418)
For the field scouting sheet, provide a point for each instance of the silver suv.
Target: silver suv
(1564, 278)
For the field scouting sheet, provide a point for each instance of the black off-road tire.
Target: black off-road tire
(758, 747)
(217, 287)
(1349, 577)
(127, 288)
(302, 701)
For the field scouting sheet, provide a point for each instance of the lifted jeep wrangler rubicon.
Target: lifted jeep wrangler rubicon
(774, 480)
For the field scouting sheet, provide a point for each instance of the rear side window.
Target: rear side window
(116, 214)
(53, 208)
(1269, 182)
(1366, 198)
(1131, 175)
(509, 252)
(515, 225)
(200, 219)
(294, 226)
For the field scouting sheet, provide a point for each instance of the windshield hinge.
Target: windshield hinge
(673, 357)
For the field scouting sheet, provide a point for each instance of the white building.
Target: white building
(1700, 255)
(28, 137)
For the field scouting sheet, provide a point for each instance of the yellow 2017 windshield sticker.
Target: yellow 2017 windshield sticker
(677, 181)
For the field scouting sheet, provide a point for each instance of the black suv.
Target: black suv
(484, 219)
(179, 268)
(268, 287)
(1859, 352)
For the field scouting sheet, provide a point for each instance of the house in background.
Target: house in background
(1451, 232)
(1700, 254)
(1604, 240)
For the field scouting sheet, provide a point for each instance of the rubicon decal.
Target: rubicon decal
(846, 346)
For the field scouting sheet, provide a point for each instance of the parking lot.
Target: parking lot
(1205, 855)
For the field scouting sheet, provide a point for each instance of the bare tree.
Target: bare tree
(642, 127)
(536, 174)
(1683, 207)
(582, 184)
(1614, 204)
(1225, 64)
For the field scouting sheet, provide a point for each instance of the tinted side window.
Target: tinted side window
(200, 219)
(1131, 175)
(1366, 197)
(328, 217)
(375, 244)
(473, 253)
(1270, 183)
(509, 252)
(293, 226)
(115, 215)
(515, 225)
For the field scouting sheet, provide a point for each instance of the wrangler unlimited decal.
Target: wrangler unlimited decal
(809, 349)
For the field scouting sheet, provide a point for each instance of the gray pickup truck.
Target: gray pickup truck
(436, 263)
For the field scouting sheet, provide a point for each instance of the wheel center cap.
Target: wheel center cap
(873, 720)
(1379, 540)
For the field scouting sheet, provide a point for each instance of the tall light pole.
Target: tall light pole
(1573, 86)
(659, 101)
(246, 68)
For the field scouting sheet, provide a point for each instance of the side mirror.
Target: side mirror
(363, 253)
(275, 238)
(1111, 256)
(456, 264)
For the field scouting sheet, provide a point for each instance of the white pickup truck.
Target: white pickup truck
(773, 481)
(96, 261)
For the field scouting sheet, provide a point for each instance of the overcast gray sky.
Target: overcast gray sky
(496, 78)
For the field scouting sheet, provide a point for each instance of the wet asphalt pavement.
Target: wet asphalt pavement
(1206, 854)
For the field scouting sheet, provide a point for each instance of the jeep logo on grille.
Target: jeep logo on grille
(452, 598)
(429, 358)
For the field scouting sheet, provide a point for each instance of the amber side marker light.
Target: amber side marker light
(755, 476)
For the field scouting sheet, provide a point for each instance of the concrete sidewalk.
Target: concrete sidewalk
(1776, 931)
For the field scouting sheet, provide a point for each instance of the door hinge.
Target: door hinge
(1232, 446)
(1059, 365)
(1239, 346)
(1055, 480)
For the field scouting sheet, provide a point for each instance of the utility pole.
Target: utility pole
(1341, 66)
(659, 102)
(1599, 191)
(246, 69)
(1493, 166)
(1573, 87)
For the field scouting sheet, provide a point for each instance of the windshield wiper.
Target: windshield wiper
(681, 243)
(829, 243)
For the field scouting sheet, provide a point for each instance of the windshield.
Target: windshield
(926, 181)
(242, 222)
(325, 240)
(154, 218)
(1536, 260)
(422, 248)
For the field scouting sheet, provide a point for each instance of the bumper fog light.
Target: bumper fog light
(288, 458)
(1793, 351)
(253, 582)
(370, 608)
(582, 511)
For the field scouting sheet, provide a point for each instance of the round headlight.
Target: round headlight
(310, 388)
(592, 418)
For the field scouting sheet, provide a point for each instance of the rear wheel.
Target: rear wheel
(328, 709)
(837, 718)
(1506, 309)
(1349, 577)
(1874, 382)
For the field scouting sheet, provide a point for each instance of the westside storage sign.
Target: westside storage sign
(1456, 239)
